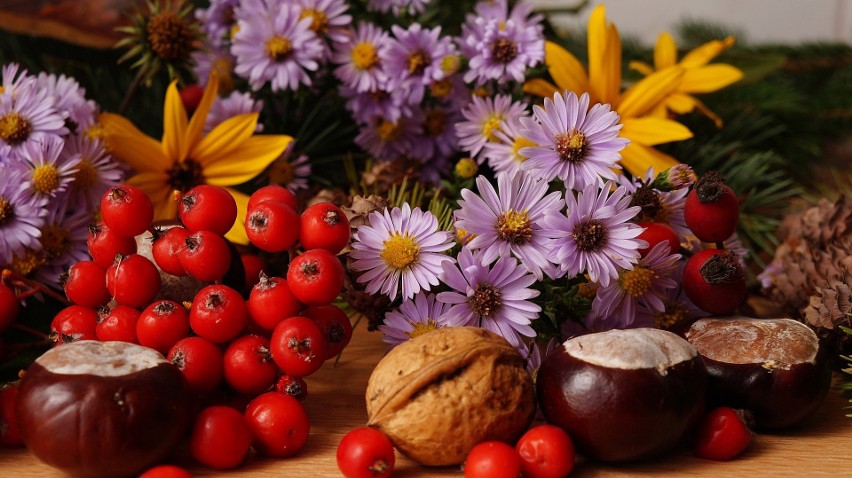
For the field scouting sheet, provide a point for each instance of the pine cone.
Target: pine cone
(335, 196)
(831, 307)
(385, 174)
(827, 222)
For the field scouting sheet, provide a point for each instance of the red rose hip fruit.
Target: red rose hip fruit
(714, 280)
(722, 434)
(623, 394)
(711, 210)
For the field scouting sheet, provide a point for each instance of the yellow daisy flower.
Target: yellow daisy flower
(636, 104)
(228, 155)
(698, 77)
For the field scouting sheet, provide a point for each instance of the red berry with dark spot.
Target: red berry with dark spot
(273, 192)
(271, 301)
(315, 277)
(711, 209)
(334, 323)
(324, 226)
(205, 256)
(74, 323)
(104, 245)
(218, 313)
(167, 247)
(208, 208)
(117, 324)
(85, 284)
(723, 434)
(714, 280)
(133, 280)
(200, 361)
(127, 210)
(657, 232)
(249, 368)
(298, 346)
(296, 387)
(272, 226)
(161, 325)
(253, 265)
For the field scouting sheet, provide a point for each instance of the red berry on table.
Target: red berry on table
(270, 301)
(117, 324)
(205, 256)
(279, 424)
(10, 433)
(220, 438)
(208, 208)
(315, 277)
(324, 226)
(218, 313)
(298, 346)
(273, 192)
(711, 209)
(296, 387)
(546, 451)
(166, 471)
(334, 323)
(167, 247)
(74, 323)
(253, 265)
(249, 368)
(133, 280)
(722, 434)
(657, 232)
(85, 284)
(492, 459)
(127, 210)
(365, 453)
(104, 245)
(9, 307)
(272, 226)
(200, 361)
(714, 281)
(161, 325)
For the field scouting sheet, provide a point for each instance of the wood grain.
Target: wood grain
(822, 447)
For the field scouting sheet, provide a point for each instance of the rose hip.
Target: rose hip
(117, 324)
(279, 424)
(133, 280)
(249, 368)
(104, 245)
(218, 313)
(200, 361)
(298, 346)
(161, 325)
(167, 247)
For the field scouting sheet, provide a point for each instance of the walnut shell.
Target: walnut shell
(441, 393)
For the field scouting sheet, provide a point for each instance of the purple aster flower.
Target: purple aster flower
(535, 353)
(63, 240)
(508, 221)
(595, 237)
(358, 57)
(439, 137)
(768, 276)
(291, 173)
(367, 107)
(645, 285)
(495, 298)
(208, 59)
(328, 18)
(21, 214)
(48, 171)
(501, 49)
(13, 77)
(413, 58)
(503, 155)
(575, 144)
(29, 115)
(499, 10)
(416, 317)
(433, 170)
(94, 173)
(666, 206)
(482, 121)
(216, 22)
(79, 113)
(451, 91)
(237, 103)
(275, 45)
(386, 140)
(400, 247)
(399, 7)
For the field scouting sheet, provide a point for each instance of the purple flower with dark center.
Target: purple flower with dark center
(576, 144)
(328, 18)
(79, 113)
(291, 173)
(360, 68)
(386, 140)
(482, 121)
(398, 7)
(28, 115)
(208, 59)
(21, 214)
(415, 317)
(595, 237)
(503, 155)
(275, 45)
(48, 171)
(508, 221)
(63, 240)
(237, 103)
(400, 249)
(495, 298)
(413, 59)
(93, 174)
(367, 107)
(658, 206)
(644, 286)
(439, 136)
(217, 21)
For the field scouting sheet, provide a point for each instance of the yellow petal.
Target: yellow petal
(598, 34)
(540, 87)
(248, 161)
(156, 187)
(640, 66)
(706, 52)
(225, 138)
(665, 51)
(709, 78)
(237, 234)
(196, 124)
(650, 131)
(707, 112)
(612, 68)
(636, 159)
(174, 125)
(649, 92)
(680, 103)
(131, 146)
(565, 69)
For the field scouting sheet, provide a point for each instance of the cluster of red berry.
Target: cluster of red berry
(253, 350)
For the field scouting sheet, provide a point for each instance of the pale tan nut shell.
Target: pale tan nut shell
(441, 393)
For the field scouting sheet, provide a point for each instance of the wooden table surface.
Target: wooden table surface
(822, 447)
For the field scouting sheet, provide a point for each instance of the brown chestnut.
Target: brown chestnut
(98, 409)
(623, 394)
(774, 368)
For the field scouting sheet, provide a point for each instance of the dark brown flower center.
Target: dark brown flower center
(485, 300)
(14, 128)
(185, 175)
(504, 50)
(6, 211)
(650, 202)
(514, 227)
(571, 146)
(170, 36)
(590, 236)
(54, 241)
(435, 123)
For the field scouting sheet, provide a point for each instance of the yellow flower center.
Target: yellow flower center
(504, 50)
(400, 251)
(388, 130)
(435, 122)
(364, 56)
(54, 241)
(14, 128)
(96, 131)
(281, 172)
(6, 210)
(466, 168)
(441, 88)
(417, 62)
(45, 179)
(673, 314)
(319, 22)
(185, 175)
(638, 281)
(485, 300)
(519, 144)
(421, 328)
(590, 236)
(514, 227)
(572, 146)
(587, 290)
(491, 126)
(27, 263)
(169, 36)
(278, 48)
(85, 176)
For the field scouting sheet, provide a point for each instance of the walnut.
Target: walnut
(441, 393)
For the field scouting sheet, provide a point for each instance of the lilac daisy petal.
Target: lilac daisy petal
(29, 115)
(63, 240)
(483, 120)
(48, 171)
(21, 215)
(216, 21)
(416, 317)
(93, 174)
(413, 58)
(594, 237)
(328, 18)
(576, 144)
(71, 102)
(234, 104)
(288, 172)
(358, 57)
(671, 203)
(400, 248)
(398, 7)
(387, 140)
(503, 155)
(495, 298)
